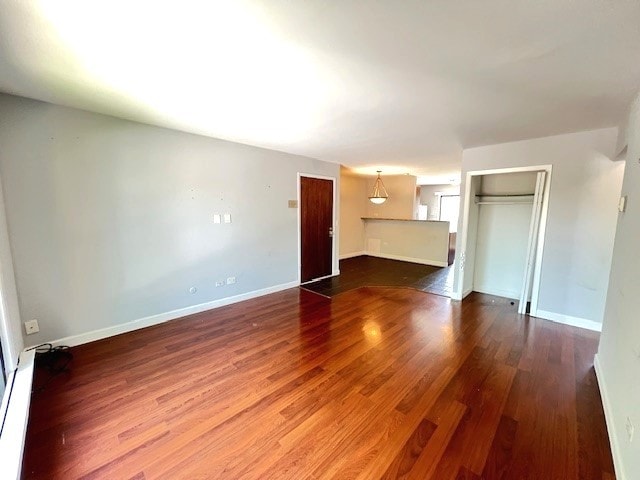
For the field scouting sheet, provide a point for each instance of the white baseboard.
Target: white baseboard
(422, 261)
(461, 296)
(18, 399)
(334, 274)
(352, 254)
(569, 320)
(94, 335)
(495, 291)
(609, 420)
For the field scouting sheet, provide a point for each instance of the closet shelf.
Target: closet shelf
(506, 195)
(505, 199)
(505, 203)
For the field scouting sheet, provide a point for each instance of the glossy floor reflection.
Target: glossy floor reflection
(366, 271)
(374, 383)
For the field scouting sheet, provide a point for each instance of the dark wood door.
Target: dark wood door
(316, 224)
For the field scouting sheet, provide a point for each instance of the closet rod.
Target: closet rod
(505, 195)
(505, 203)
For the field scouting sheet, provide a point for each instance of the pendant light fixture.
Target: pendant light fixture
(379, 194)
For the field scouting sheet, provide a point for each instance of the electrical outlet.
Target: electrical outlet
(231, 280)
(630, 429)
(219, 283)
(31, 327)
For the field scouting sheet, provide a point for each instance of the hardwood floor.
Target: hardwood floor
(366, 271)
(374, 383)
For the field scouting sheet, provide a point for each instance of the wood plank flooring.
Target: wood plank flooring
(374, 383)
(366, 271)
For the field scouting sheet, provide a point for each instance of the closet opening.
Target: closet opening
(502, 234)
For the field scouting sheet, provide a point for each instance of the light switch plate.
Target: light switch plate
(227, 218)
(216, 218)
(622, 204)
(293, 203)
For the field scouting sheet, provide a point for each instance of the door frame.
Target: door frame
(440, 202)
(463, 246)
(534, 226)
(10, 322)
(335, 270)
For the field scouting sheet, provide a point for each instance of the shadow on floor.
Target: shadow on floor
(365, 271)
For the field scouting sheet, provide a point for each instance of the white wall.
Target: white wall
(429, 198)
(585, 186)
(501, 249)
(618, 358)
(402, 202)
(111, 220)
(508, 183)
(353, 206)
(425, 242)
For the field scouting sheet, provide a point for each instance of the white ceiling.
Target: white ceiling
(402, 85)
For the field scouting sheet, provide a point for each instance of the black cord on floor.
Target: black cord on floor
(55, 360)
